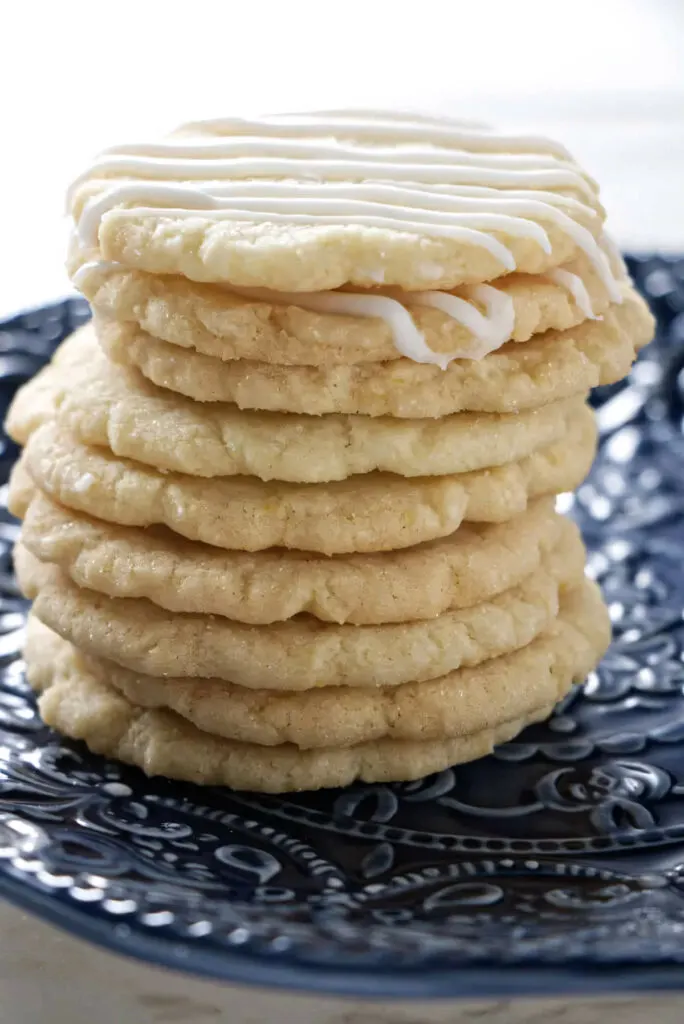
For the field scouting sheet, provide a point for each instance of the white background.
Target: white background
(606, 76)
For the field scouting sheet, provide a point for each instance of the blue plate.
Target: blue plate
(556, 862)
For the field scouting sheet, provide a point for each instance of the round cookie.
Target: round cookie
(323, 258)
(228, 326)
(302, 653)
(552, 366)
(457, 704)
(472, 565)
(79, 702)
(107, 405)
(375, 512)
(316, 203)
(82, 707)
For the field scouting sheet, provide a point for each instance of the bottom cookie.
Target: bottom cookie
(163, 743)
(80, 703)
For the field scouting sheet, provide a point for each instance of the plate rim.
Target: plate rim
(450, 983)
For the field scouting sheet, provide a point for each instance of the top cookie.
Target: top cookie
(313, 202)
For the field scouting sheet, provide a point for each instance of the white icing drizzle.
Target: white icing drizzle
(393, 127)
(400, 172)
(248, 158)
(491, 329)
(408, 339)
(87, 270)
(613, 255)
(577, 288)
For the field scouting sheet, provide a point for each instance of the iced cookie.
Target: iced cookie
(552, 366)
(314, 202)
(304, 329)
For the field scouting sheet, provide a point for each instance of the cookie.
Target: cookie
(552, 366)
(458, 704)
(109, 406)
(316, 203)
(277, 329)
(82, 707)
(21, 490)
(472, 565)
(375, 512)
(302, 653)
(79, 701)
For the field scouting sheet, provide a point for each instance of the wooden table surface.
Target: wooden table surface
(47, 976)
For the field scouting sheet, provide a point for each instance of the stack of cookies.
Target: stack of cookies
(289, 499)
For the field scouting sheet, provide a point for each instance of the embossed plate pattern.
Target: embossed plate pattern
(555, 865)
